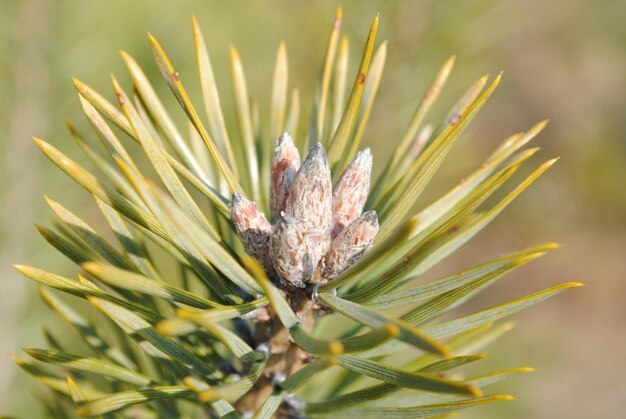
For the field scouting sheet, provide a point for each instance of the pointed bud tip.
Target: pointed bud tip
(364, 156)
(366, 152)
(285, 139)
(317, 154)
(370, 217)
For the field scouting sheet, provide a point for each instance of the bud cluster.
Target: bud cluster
(317, 231)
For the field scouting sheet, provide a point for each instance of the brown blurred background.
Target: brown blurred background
(562, 59)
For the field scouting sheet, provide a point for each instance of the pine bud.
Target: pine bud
(285, 165)
(291, 252)
(350, 245)
(252, 228)
(310, 200)
(351, 190)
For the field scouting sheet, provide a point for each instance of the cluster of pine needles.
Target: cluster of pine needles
(217, 337)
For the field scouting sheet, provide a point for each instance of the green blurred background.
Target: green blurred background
(562, 59)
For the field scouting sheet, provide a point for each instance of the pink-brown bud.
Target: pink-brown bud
(285, 165)
(310, 200)
(252, 228)
(350, 245)
(351, 190)
(291, 252)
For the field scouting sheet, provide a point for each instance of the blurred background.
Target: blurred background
(562, 59)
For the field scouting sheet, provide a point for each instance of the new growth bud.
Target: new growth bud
(351, 190)
(350, 245)
(252, 228)
(291, 252)
(310, 200)
(285, 165)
